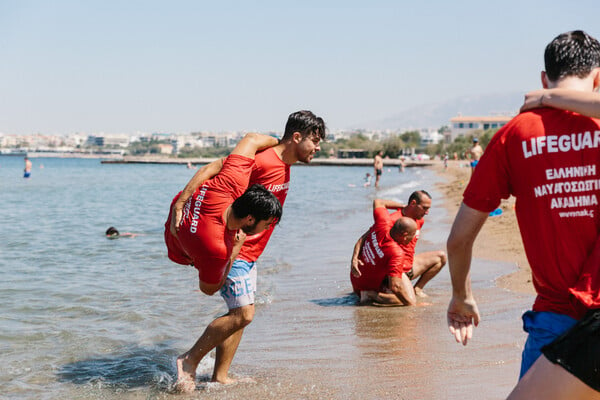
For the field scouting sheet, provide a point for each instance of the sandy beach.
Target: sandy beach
(499, 239)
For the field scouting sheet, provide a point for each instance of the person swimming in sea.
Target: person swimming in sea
(113, 233)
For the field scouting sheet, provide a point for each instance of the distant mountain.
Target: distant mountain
(437, 115)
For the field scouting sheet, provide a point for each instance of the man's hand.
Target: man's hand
(355, 267)
(175, 220)
(462, 315)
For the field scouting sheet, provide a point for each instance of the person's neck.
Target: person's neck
(231, 222)
(573, 83)
(285, 151)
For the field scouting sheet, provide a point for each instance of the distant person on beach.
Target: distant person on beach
(27, 169)
(378, 166)
(113, 233)
(548, 159)
(379, 265)
(476, 151)
(300, 142)
(367, 180)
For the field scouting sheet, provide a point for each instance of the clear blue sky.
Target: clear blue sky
(181, 66)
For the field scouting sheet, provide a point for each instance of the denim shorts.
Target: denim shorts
(240, 287)
(543, 328)
(578, 350)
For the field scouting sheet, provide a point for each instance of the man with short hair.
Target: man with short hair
(300, 142)
(548, 159)
(378, 268)
(476, 152)
(424, 266)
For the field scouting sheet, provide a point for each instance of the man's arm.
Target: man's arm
(356, 262)
(202, 175)
(252, 143)
(389, 204)
(212, 288)
(586, 103)
(462, 310)
(403, 290)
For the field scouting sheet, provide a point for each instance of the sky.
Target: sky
(132, 66)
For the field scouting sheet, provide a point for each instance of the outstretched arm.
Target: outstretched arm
(202, 175)
(389, 204)
(586, 103)
(252, 143)
(462, 311)
(356, 263)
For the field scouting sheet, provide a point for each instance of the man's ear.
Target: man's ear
(297, 137)
(249, 219)
(544, 78)
(596, 75)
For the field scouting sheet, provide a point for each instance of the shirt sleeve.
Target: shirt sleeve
(381, 216)
(490, 181)
(234, 176)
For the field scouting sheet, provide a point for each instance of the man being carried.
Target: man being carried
(547, 159)
(300, 141)
(378, 269)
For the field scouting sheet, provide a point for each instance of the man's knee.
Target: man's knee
(443, 258)
(243, 315)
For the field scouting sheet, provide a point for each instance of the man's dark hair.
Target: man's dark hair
(306, 123)
(258, 202)
(417, 196)
(112, 231)
(572, 53)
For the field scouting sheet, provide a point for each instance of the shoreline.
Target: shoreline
(499, 239)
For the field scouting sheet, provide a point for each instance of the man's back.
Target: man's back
(547, 159)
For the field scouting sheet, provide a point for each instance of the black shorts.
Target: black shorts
(378, 172)
(578, 350)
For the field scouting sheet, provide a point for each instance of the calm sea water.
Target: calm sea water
(83, 317)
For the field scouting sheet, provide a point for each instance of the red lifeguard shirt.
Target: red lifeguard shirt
(409, 249)
(271, 172)
(549, 160)
(380, 254)
(203, 238)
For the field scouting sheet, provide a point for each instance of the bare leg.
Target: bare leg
(426, 266)
(227, 349)
(549, 381)
(214, 334)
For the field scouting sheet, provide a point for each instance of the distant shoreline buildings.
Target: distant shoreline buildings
(173, 143)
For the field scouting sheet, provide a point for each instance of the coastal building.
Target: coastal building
(430, 136)
(464, 125)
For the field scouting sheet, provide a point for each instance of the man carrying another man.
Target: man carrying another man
(404, 266)
(300, 141)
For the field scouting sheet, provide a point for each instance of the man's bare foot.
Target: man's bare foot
(420, 293)
(229, 381)
(186, 376)
(376, 304)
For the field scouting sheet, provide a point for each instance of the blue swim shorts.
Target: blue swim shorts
(240, 287)
(474, 163)
(543, 328)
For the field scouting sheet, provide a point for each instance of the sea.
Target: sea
(84, 317)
